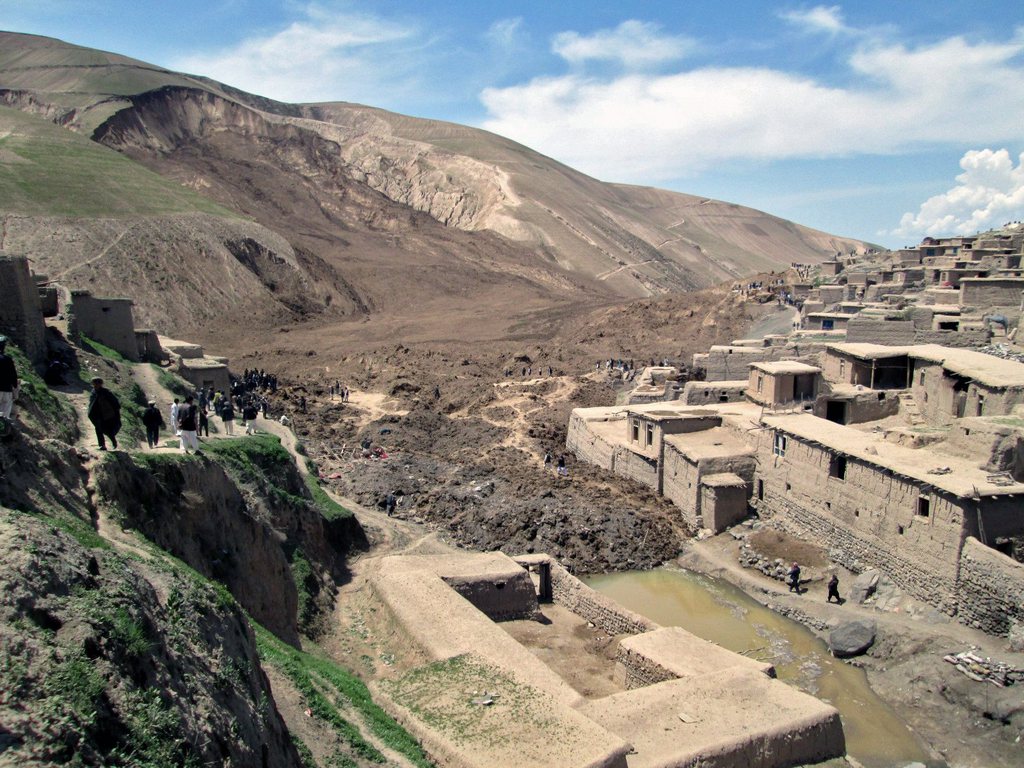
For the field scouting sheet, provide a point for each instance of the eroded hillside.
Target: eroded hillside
(419, 224)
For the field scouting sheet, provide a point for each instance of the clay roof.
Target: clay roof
(709, 444)
(963, 479)
(985, 369)
(785, 366)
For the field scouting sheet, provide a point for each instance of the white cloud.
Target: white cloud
(988, 193)
(655, 128)
(505, 33)
(633, 43)
(821, 18)
(323, 55)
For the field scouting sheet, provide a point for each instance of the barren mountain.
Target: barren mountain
(433, 230)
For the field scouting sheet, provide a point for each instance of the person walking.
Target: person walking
(8, 380)
(833, 590)
(227, 415)
(249, 414)
(188, 421)
(794, 578)
(104, 413)
(204, 423)
(175, 407)
(154, 422)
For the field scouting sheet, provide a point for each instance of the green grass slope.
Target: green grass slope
(46, 170)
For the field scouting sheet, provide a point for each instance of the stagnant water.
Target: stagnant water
(719, 612)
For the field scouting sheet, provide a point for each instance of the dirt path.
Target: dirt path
(717, 556)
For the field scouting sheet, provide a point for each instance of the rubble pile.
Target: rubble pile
(1003, 351)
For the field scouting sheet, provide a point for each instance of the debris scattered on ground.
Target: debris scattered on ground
(985, 670)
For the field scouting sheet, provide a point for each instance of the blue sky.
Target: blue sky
(879, 120)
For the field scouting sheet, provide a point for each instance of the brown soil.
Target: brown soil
(779, 544)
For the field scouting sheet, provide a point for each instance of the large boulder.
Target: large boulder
(864, 586)
(851, 638)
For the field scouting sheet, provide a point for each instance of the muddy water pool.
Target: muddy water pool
(717, 611)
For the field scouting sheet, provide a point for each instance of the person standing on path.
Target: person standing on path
(794, 578)
(188, 421)
(8, 380)
(204, 423)
(175, 407)
(833, 590)
(227, 415)
(249, 414)
(153, 422)
(104, 413)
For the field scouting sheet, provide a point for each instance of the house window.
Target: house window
(760, 382)
(924, 506)
(842, 368)
(650, 434)
(779, 448)
(636, 430)
(921, 379)
(981, 405)
(837, 467)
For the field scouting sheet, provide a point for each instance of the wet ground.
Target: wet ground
(717, 611)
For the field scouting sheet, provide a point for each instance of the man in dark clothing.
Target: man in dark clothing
(8, 380)
(188, 425)
(104, 413)
(833, 590)
(389, 504)
(794, 578)
(154, 422)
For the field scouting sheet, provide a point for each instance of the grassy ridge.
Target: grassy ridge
(50, 171)
(320, 681)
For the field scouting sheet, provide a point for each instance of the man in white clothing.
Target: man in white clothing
(175, 407)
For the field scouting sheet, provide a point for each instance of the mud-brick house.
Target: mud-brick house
(949, 384)
(782, 382)
(875, 504)
(708, 475)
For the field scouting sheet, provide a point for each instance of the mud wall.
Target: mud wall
(869, 519)
(499, 599)
(681, 484)
(989, 292)
(586, 445)
(891, 332)
(108, 321)
(601, 611)
(705, 392)
(642, 469)
(21, 318)
(991, 589)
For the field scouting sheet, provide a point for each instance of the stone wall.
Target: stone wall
(108, 321)
(991, 589)
(868, 519)
(635, 670)
(21, 318)
(601, 611)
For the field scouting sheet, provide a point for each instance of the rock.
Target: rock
(851, 638)
(1015, 637)
(864, 586)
